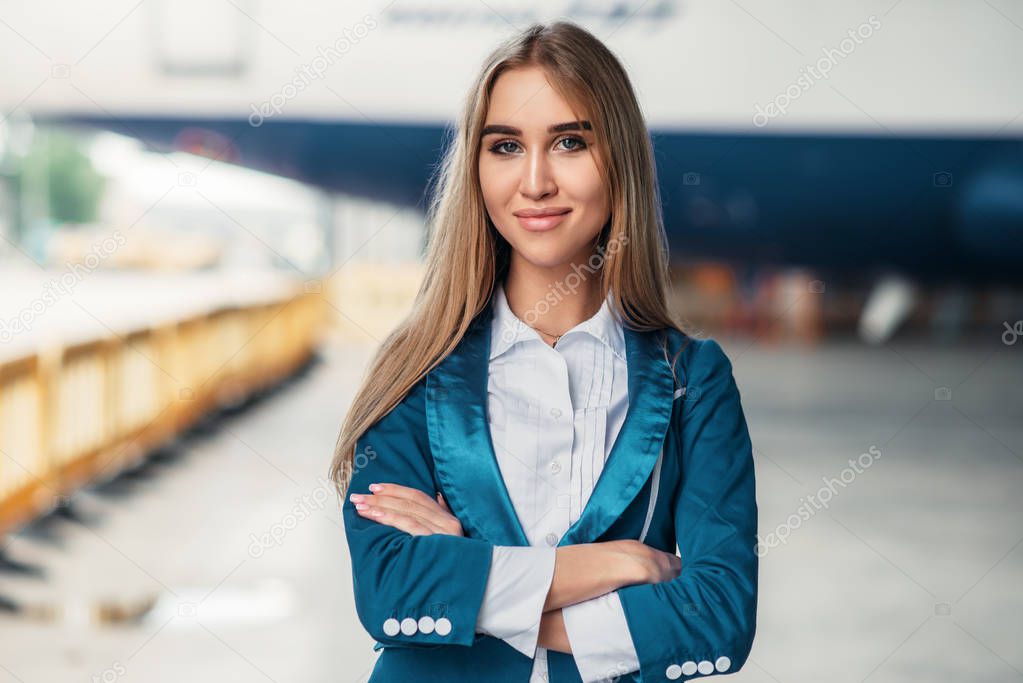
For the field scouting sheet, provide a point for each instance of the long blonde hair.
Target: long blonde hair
(466, 256)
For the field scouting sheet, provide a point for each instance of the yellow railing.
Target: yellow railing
(83, 413)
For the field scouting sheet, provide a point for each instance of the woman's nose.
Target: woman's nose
(537, 177)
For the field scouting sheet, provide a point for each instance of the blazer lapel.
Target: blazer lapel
(463, 454)
(639, 441)
(465, 462)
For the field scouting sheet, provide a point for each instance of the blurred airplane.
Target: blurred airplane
(835, 148)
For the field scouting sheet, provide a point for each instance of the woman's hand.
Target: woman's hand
(588, 570)
(642, 563)
(407, 509)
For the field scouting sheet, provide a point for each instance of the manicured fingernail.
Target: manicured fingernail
(355, 497)
(361, 506)
(375, 487)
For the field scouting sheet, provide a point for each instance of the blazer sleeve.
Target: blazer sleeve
(410, 591)
(704, 620)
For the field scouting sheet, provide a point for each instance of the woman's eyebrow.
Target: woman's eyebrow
(501, 129)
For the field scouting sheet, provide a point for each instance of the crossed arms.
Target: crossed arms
(419, 582)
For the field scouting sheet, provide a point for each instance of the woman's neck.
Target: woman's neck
(543, 299)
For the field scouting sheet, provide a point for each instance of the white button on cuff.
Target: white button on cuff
(442, 626)
(689, 668)
(722, 663)
(409, 626)
(673, 671)
(705, 667)
(426, 624)
(552, 539)
(391, 627)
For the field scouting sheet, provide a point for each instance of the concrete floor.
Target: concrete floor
(912, 572)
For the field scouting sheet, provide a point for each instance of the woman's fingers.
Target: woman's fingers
(383, 508)
(411, 501)
(657, 565)
(407, 523)
(403, 492)
(407, 505)
(674, 565)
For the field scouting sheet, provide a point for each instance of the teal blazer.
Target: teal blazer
(680, 471)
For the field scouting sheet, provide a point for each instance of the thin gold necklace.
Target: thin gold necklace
(556, 337)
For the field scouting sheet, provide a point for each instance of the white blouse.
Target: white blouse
(554, 414)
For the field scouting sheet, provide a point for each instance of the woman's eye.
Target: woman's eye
(506, 147)
(500, 148)
(581, 143)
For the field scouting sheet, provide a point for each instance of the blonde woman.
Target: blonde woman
(534, 440)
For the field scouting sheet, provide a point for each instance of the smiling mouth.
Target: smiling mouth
(542, 222)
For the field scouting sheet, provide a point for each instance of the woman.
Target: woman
(533, 441)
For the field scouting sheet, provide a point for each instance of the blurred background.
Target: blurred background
(211, 212)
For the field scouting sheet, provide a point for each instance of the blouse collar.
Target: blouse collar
(508, 330)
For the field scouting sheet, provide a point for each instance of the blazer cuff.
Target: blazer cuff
(517, 586)
(599, 635)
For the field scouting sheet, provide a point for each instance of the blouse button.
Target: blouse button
(689, 668)
(391, 627)
(555, 413)
(705, 667)
(673, 671)
(555, 467)
(409, 626)
(722, 663)
(426, 624)
(552, 539)
(442, 626)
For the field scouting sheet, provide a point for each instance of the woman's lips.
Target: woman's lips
(541, 223)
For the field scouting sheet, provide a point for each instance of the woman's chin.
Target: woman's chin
(552, 257)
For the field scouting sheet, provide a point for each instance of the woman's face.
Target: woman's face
(525, 166)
